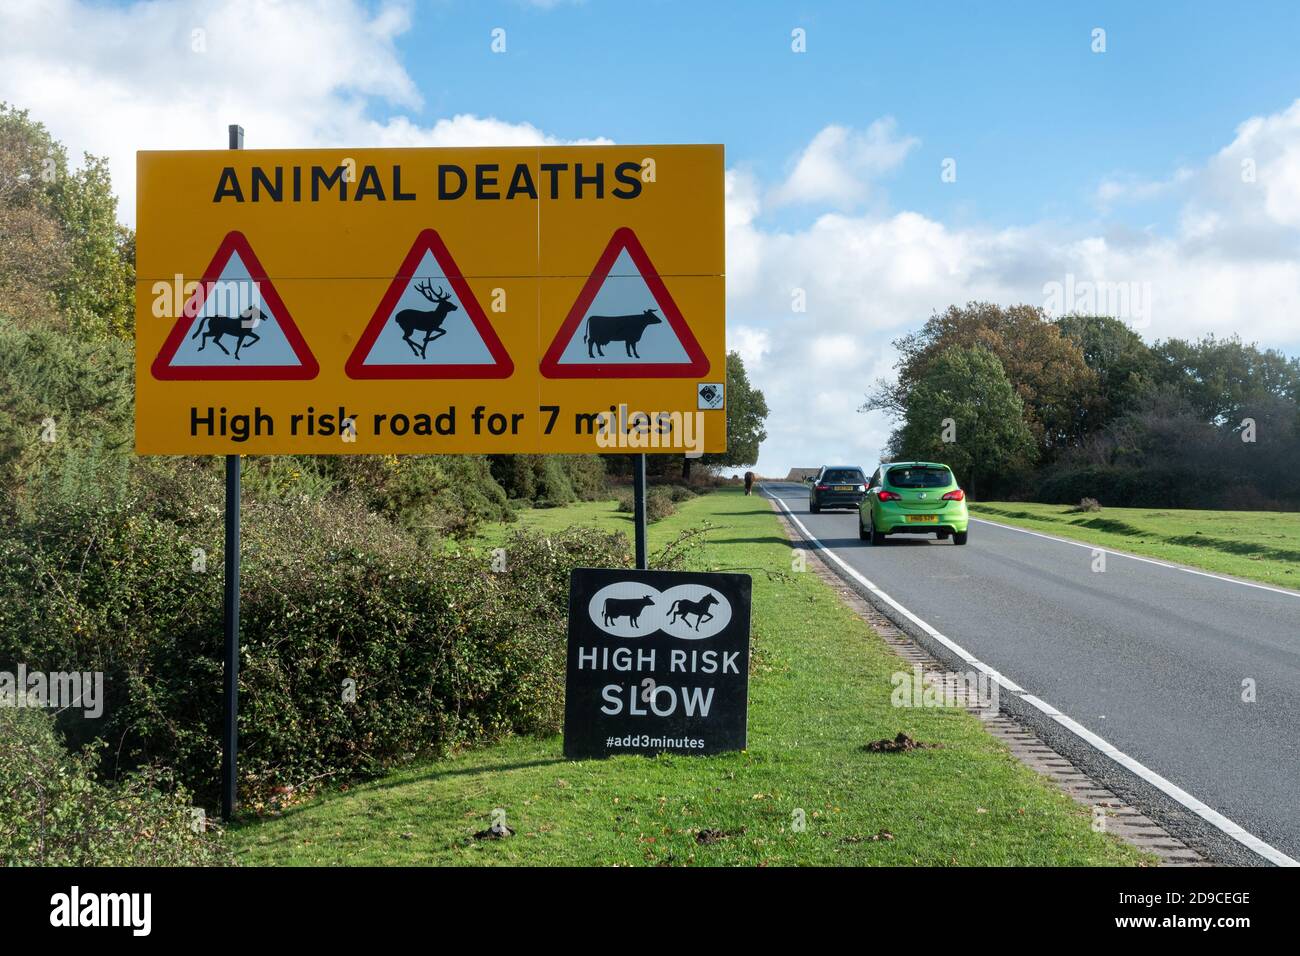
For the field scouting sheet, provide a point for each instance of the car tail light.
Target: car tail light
(889, 496)
(822, 487)
(957, 495)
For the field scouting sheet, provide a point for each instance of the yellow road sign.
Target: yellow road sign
(419, 301)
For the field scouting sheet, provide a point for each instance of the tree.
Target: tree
(63, 242)
(1125, 367)
(1221, 378)
(746, 414)
(1046, 369)
(964, 412)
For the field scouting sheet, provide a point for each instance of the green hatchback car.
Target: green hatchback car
(913, 497)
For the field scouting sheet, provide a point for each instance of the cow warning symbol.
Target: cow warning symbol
(234, 326)
(428, 324)
(624, 323)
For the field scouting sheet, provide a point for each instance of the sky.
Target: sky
(1142, 158)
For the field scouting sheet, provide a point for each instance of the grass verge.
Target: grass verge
(819, 690)
(1258, 545)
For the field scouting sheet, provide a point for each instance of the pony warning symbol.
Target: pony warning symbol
(234, 326)
(624, 323)
(428, 324)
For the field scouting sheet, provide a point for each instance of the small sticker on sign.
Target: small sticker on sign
(711, 395)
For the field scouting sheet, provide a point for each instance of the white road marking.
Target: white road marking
(1170, 789)
(1136, 557)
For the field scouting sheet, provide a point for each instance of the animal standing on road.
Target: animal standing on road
(628, 329)
(428, 321)
(241, 328)
(682, 608)
(624, 607)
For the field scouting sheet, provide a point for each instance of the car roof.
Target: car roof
(914, 464)
(836, 467)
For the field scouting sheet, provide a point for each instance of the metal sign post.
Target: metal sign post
(230, 690)
(638, 510)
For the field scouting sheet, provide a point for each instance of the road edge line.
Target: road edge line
(1206, 813)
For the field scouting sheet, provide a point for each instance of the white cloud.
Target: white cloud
(300, 73)
(1130, 189)
(837, 167)
(1228, 267)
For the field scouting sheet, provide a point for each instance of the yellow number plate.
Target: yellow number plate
(922, 518)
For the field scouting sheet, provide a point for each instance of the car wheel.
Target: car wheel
(814, 508)
(959, 537)
(877, 537)
(863, 534)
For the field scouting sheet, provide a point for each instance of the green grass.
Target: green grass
(819, 690)
(1259, 545)
(600, 514)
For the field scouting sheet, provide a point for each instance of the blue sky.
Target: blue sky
(1012, 91)
(1161, 176)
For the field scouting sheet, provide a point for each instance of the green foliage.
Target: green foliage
(548, 481)
(1046, 369)
(65, 415)
(429, 495)
(442, 650)
(63, 243)
(659, 503)
(746, 413)
(1125, 367)
(54, 812)
(967, 386)
(1222, 378)
(98, 293)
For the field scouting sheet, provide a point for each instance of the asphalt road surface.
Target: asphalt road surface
(1149, 657)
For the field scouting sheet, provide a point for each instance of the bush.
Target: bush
(549, 481)
(681, 492)
(658, 503)
(53, 812)
(441, 651)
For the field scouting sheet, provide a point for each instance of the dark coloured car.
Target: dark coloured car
(837, 486)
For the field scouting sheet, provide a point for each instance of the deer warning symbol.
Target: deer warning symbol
(235, 326)
(428, 324)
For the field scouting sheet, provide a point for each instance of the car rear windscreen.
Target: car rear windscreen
(843, 476)
(920, 477)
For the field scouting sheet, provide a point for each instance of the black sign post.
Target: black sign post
(658, 663)
(230, 683)
(638, 510)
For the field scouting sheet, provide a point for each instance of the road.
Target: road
(1149, 657)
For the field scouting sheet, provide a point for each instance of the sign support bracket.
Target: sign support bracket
(230, 683)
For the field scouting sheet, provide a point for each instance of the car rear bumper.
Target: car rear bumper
(891, 519)
(830, 499)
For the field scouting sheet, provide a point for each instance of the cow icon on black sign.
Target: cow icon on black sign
(628, 329)
(629, 608)
(683, 608)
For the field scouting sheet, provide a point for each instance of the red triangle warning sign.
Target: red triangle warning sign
(428, 324)
(235, 326)
(624, 323)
